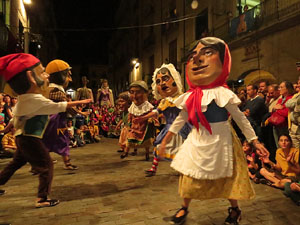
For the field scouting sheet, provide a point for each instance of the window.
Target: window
(202, 24)
(173, 52)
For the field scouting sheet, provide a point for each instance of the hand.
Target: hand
(260, 149)
(278, 106)
(162, 150)
(265, 160)
(266, 122)
(247, 112)
(295, 187)
(290, 157)
(249, 158)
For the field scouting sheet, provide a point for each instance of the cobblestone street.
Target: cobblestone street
(109, 191)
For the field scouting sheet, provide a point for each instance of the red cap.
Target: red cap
(11, 65)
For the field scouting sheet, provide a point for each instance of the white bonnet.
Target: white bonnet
(173, 72)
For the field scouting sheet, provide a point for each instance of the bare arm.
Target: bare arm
(7, 128)
(164, 142)
(145, 117)
(74, 103)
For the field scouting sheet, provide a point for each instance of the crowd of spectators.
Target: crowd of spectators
(273, 111)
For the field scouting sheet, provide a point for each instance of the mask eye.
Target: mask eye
(165, 78)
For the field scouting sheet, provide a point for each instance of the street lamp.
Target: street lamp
(27, 2)
(194, 4)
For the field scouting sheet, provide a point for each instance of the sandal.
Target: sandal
(46, 203)
(124, 155)
(70, 166)
(181, 219)
(236, 219)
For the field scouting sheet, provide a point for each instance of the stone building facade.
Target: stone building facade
(263, 39)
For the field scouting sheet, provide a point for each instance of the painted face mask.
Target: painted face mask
(208, 67)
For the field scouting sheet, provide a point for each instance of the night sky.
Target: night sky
(79, 29)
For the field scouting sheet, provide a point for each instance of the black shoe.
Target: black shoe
(2, 192)
(265, 181)
(179, 220)
(124, 155)
(150, 173)
(120, 150)
(233, 220)
(34, 172)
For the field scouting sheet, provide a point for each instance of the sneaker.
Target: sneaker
(70, 167)
(46, 203)
(2, 192)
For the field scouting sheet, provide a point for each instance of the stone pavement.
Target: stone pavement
(109, 191)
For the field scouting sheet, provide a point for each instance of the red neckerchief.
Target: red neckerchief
(193, 103)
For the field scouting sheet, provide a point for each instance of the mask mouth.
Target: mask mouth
(199, 68)
(164, 87)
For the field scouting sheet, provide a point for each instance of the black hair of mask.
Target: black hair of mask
(214, 43)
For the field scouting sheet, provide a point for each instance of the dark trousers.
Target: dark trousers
(32, 150)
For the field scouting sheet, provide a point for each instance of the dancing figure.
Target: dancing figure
(211, 160)
(166, 86)
(141, 133)
(26, 76)
(105, 95)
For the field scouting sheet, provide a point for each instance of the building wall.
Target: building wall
(278, 52)
(273, 46)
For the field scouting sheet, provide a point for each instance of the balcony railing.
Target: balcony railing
(264, 14)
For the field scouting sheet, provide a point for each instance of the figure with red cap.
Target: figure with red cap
(211, 160)
(56, 136)
(27, 78)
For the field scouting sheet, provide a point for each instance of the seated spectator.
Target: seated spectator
(79, 138)
(9, 144)
(94, 132)
(287, 163)
(7, 108)
(85, 132)
(71, 134)
(94, 118)
(79, 118)
(253, 162)
(2, 118)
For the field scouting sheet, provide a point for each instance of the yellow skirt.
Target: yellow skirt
(237, 187)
